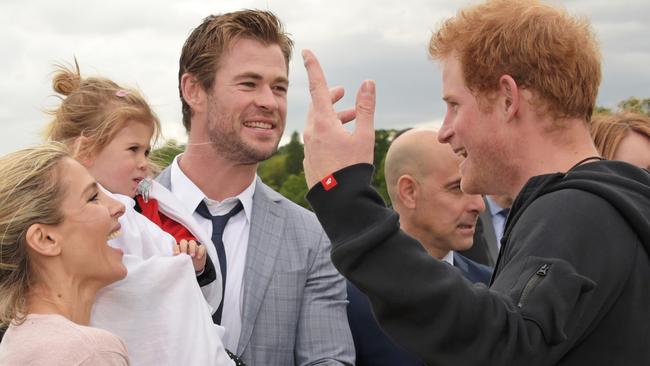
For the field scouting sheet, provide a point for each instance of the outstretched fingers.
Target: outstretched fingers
(320, 95)
(336, 93)
(346, 115)
(328, 146)
(365, 109)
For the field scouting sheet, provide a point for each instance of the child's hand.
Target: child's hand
(194, 250)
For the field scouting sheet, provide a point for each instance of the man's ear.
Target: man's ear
(193, 92)
(407, 191)
(508, 96)
(43, 240)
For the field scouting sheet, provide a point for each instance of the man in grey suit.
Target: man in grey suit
(284, 302)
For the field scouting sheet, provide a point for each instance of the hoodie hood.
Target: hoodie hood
(624, 186)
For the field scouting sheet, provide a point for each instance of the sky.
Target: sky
(138, 43)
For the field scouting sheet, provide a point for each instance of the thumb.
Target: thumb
(365, 108)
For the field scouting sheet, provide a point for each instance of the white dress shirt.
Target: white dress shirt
(449, 257)
(235, 240)
(498, 221)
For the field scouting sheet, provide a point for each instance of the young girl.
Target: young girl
(109, 130)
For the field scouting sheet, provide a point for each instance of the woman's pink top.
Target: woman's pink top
(54, 340)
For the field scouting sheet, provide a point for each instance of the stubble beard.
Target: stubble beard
(228, 144)
(490, 172)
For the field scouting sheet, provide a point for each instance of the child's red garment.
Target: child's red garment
(150, 210)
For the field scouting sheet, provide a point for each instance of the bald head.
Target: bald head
(416, 153)
(423, 180)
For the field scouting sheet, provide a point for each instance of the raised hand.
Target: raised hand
(328, 145)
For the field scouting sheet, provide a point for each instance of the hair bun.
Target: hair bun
(66, 80)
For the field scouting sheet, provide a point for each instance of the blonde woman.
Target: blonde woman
(623, 136)
(159, 310)
(54, 257)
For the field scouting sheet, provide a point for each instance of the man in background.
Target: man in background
(423, 182)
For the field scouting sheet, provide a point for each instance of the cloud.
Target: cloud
(138, 43)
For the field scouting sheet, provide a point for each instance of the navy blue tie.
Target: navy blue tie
(218, 225)
(504, 212)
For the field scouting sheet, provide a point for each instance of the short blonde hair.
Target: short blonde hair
(96, 108)
(542, 48)
(30, 193)
(608, 130)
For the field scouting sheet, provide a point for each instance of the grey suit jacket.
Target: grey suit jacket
(294, 304)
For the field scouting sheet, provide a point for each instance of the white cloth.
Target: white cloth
(158, 309)
(169, 205)
(159, 312)
(140, 236)
(235, 240)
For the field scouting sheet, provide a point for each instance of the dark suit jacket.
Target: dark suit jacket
(372, 345)
(485, 249)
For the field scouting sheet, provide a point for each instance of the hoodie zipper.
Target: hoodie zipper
(534, 280)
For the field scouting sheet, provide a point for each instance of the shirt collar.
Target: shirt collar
(449, 257)
(190, 195)
(493, 206)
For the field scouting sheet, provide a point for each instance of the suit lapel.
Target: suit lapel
(489, 234)
(265, 239)
(460, 263)
(472, 271)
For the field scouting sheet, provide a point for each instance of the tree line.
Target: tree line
(284, 172)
